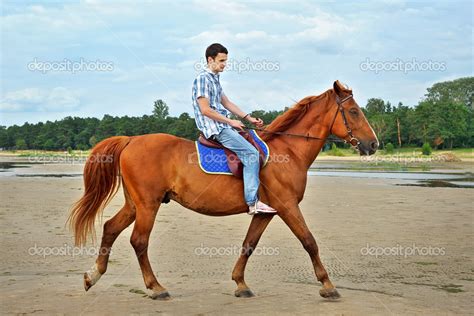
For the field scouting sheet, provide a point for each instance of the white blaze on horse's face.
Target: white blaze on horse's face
(218, 63)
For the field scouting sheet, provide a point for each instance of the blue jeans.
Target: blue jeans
(249, 156)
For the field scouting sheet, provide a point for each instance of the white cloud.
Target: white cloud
(314, 29)
(155, 45)
(58, 99)
(67, 19)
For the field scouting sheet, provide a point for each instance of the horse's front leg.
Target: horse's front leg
(291, 215)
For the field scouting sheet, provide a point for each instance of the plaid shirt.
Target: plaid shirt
(207, 85)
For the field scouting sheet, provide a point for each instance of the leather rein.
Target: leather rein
(352, 140)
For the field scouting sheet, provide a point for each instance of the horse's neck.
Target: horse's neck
(305, 150)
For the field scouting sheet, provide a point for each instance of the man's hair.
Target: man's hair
(215, 49)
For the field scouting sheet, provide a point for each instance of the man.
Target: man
(211, 109)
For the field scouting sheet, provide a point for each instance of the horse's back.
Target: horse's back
(156, 148)
(159, 142)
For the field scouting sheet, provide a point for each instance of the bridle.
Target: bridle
(352, 140)
(340, 109)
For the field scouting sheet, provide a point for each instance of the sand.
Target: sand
(389, 249)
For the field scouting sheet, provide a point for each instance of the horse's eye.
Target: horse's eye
(354, 111)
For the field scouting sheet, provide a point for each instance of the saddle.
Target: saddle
(233, 161)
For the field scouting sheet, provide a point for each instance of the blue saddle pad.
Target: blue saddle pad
(214, 160)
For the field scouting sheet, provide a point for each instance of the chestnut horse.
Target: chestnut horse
(155, 169)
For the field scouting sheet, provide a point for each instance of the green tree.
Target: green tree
(20, 144)
(376, 113)
(441, 123)
(426, 149)
(402, 122)
(457, 91)
(445, 118)
(50, 145)
(93, 141)
(160, 109)
(375, 106)
(107, 127)
(4, 141)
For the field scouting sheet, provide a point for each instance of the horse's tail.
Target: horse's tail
(101, 182)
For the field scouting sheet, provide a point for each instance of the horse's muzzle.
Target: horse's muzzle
(367, 148)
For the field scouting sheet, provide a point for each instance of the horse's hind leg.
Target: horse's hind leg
(145, 218)
(112, 228)
(255, 231)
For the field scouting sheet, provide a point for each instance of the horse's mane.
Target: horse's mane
(287, 119)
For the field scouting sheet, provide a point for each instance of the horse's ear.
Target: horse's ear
(338, 88)
(341, 89)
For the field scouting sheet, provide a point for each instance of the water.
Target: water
(446, 178)
(388, 175)
(424, 175)
(4, 166)
(440, 184)
(422, 179)
(10, 169)
(49, 175)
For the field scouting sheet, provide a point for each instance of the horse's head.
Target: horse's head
(349, 122)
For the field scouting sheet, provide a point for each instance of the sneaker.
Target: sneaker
(260, 208)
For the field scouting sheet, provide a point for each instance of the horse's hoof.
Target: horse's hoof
(244, 293)
(87, 282)
(161, 296)
(330, 294)
(91, 277)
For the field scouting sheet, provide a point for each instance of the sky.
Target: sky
(91, 58)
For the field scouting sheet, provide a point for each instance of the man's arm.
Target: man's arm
(207, 111)
(229, 105)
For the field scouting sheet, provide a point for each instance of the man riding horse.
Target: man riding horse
(211, 109)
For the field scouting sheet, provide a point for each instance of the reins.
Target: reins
(327, 139)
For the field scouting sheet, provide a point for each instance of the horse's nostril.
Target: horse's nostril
(374, 145)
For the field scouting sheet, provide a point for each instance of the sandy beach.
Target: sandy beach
(389, 249)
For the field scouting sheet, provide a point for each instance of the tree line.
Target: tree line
(443, 118)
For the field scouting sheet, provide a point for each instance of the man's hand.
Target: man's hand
(237, 124)
(256, 121)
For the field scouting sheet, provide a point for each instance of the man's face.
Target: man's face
(217, 64)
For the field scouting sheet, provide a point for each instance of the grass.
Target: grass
(339, 152)
(460, 152)
(44, 153)
(408, 152)
(416, 152)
